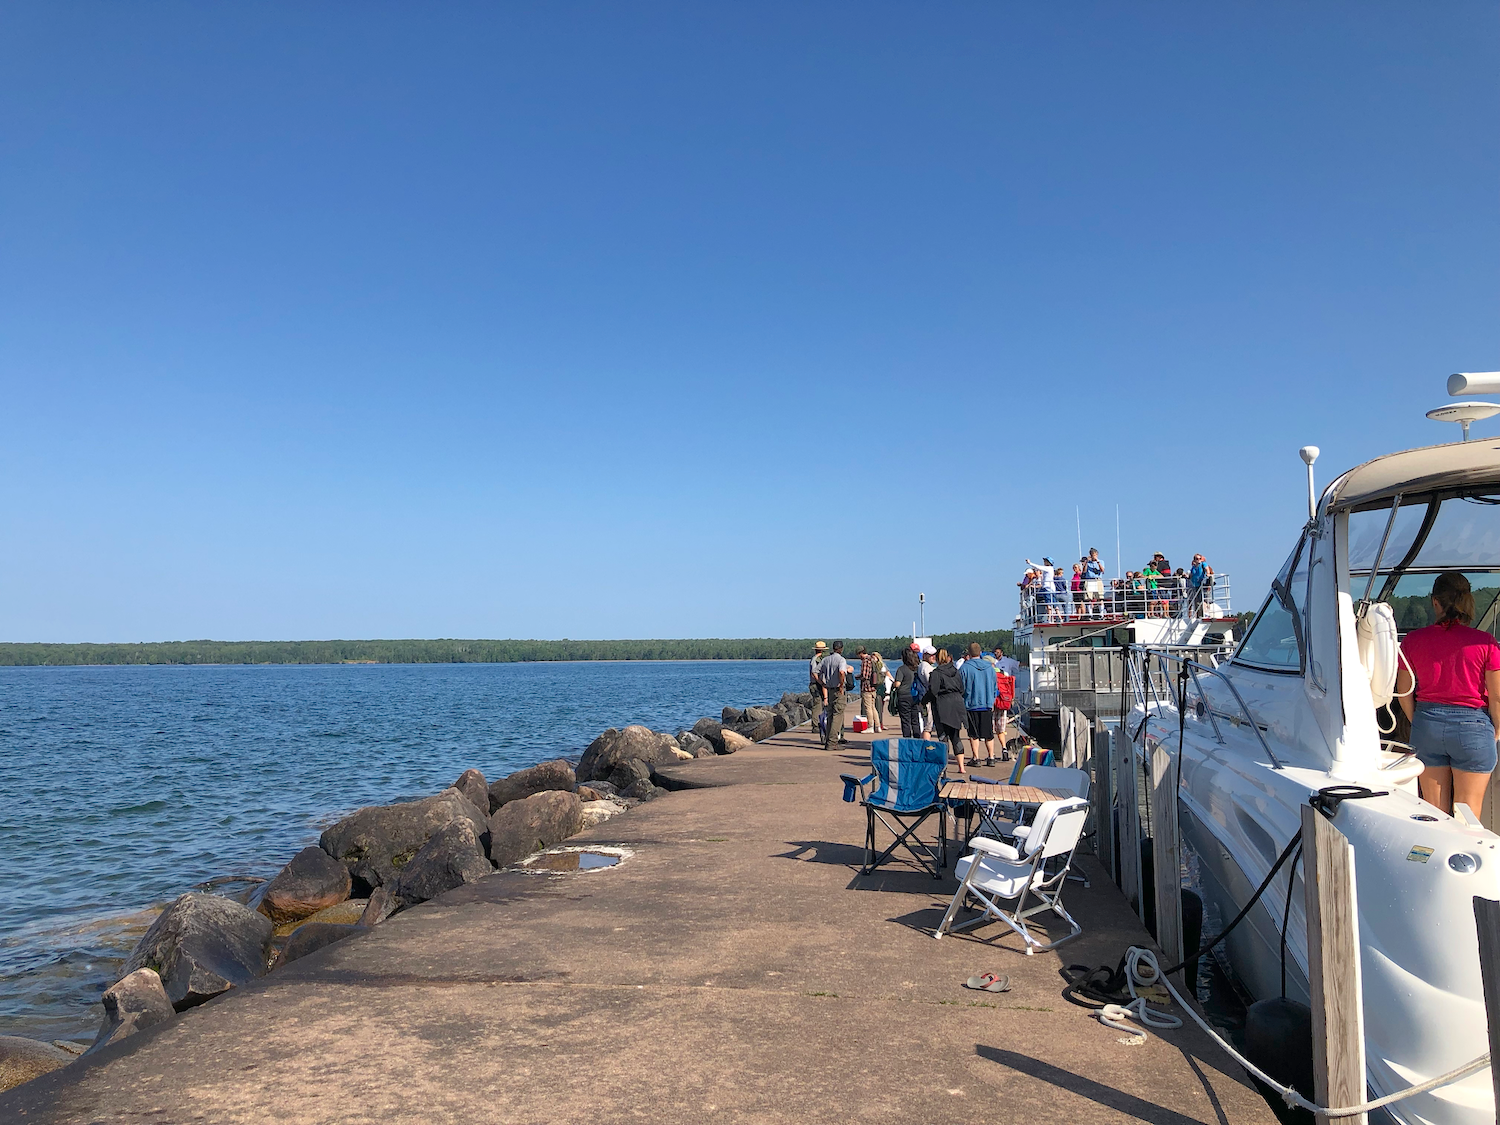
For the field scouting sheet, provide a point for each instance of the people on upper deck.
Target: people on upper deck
(1454, 706)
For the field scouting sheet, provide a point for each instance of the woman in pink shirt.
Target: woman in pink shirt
(1455, 709)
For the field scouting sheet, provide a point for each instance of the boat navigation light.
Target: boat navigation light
(1474, 383)
(1309, 454)
(1464, 412)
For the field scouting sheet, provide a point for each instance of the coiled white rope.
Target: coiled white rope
(1141, 968)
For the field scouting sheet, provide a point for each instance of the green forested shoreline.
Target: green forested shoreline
(453, 651)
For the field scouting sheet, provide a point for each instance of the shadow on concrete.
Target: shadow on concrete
(1107, 1096)
(824, 851)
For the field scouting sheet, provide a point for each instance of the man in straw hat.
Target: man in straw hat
(814, 681)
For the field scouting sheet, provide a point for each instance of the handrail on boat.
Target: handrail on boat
(1194, 668)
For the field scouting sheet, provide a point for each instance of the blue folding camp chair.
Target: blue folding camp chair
(908, 773)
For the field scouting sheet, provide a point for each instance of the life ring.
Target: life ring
(1379, 650)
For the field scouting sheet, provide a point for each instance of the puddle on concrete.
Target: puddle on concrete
(575, 859)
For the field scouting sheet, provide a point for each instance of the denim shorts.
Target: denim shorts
(1462, 738)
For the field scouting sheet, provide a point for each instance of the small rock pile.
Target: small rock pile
(384, 858)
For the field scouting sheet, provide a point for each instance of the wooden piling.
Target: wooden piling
(1487, 922)
(1333, 965)
(1166, 857)
(1130, 823)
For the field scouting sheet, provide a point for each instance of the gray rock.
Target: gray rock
(782, 722)
(805, 698)
(643, 790)
(203, 945)
(616, 746)
(532, 780)
(757, 731)
(475, 788)
(451, 858)
(713, 730)
(531, 824)
(376, 842)
(788, 699)
(627, 773)
(603, 787)
(758, 714)
(133, 1003)
(731, 716)
(381, 906)
(696, 745)
(313, 937)
(312, 881)
(22, 1059)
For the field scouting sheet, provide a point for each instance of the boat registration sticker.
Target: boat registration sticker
(1419, 854)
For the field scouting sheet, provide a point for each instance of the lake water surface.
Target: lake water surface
(122, 787)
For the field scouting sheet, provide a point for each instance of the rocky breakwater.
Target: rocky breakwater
(383, 859)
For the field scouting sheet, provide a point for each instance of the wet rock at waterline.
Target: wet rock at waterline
(311, 881)
(203, 945)
(528, 825)
(22, 1059)
(349, 911)
(376, 842)
(471, 784)
(453, 857)
(695, 744)
(733, 742)
(133, 1003)
(314, 936)
(729, 716)
(532, 780)
(757, 731)
(633, 743)
(758, 714)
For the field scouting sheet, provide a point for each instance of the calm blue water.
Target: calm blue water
(120, 788)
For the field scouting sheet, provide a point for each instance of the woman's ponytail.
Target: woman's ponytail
(1452, 593)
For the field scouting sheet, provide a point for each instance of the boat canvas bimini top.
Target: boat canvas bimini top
(1295, 710)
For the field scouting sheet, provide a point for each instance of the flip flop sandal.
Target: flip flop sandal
(988, 983)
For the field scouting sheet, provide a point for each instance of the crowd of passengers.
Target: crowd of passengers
(1153, 591)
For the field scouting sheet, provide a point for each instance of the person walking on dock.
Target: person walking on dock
(929, 711)
(869, 674)
(978, 677)
(814, 681)
(831, 672)
(907, 693)
(945, 687)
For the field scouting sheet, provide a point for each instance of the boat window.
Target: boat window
(1366, 528)
(1466, 533)
(1411, 601)
(1272, 640)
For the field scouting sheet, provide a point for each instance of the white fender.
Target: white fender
(1375, 633)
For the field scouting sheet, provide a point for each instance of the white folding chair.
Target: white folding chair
(997, 873)
(1004, 821)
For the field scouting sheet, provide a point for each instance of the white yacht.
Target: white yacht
(1294, 710)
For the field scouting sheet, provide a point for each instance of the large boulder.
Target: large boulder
(713, 731)
(22, 1059)
(627, 773)
(643, 789)
(758, 714)
(616, 746)
(203, 945)
(806, 699)
(782, 722)
(733, 742)
(381, 906)
(757, 731)
(731, 716)
(454, 856)
(696, 745)
(133, 1003)
(471, 784)
(312, 881)
(532, 780)
(531, 824)
(376, 842)
(313, 937)
(597, 812)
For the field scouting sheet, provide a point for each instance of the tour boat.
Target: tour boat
(1294, 710)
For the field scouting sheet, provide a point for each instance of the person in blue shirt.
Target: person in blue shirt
(1093, 582)
(1200, 576)
(979, 701)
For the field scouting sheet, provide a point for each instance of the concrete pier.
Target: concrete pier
(736, 968)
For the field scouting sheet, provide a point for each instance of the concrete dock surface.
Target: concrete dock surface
(735, 968)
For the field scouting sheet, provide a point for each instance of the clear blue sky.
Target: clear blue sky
(602, 320)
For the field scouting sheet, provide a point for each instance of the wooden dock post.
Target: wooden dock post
(1487, 922)
(1338, 1024)
(1166, 858)
(1104, 802)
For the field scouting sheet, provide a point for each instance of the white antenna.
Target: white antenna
(1465, 412)
(1079, 520)
(1119, 573)
(1473, 383)
(1309, 454)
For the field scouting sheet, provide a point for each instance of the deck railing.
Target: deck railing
(1173, 597)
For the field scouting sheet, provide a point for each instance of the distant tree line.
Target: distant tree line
(455, 651)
